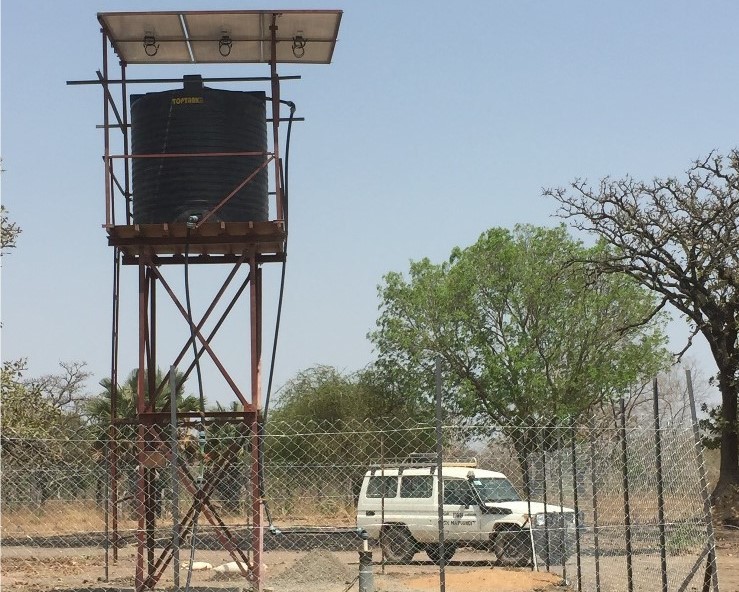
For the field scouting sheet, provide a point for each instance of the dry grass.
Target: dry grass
(69, 518)
(54, 517)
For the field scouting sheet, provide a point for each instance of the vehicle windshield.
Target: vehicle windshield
(495, 490)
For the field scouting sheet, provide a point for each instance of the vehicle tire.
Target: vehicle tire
(433, 552)
(397, 544)
(512, 546)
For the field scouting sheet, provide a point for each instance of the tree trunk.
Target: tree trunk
(725, 496)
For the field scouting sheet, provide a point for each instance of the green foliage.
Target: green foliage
(321, 400)
(26, 413)
(98, 408)
(525, 330)
(323, 395)
(713, 425)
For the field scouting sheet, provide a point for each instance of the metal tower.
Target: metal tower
(225, 38)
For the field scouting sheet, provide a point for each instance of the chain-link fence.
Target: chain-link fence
(606, 508)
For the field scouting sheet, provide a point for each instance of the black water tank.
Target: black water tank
(193, 120)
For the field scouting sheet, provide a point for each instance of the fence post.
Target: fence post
(660, 486)
(527, 489)
(107, 509)
(573, 449)
(593, 482)
(627, 507)
(175, 479)
(439, 463)
(382, 500)
(561, 494)
(711, 571)
(543, 443)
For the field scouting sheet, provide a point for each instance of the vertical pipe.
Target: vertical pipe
(573, 449)
(140, 378)
(276, 117)
(711, 571)
(175, 477)
(366, 577)
(127, 163)
(152, 363)
(256, 487)
(112, 431)
(439, 477)
(141, 433)
(594, 485)
(106, 134)
(660, 486)
(150, 473)
(627, 507)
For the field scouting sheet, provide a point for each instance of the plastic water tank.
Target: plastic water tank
(197, 120)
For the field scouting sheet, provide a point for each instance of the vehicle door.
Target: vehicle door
(462, 515)
(418, 506)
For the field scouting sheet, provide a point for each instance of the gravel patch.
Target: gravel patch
(314, 567)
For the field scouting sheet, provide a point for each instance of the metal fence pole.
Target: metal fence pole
(573, 449)
(382, 500)
(560, 486)
(711, 571)
(175, 481)
(660, 487)
(543, 442)
(594, 484)
(627, 507)
(107, 509)
(527, 489)
(439, 463)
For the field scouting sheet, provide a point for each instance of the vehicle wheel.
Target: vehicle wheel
(433, 552)
(397, 544)
(512, 546)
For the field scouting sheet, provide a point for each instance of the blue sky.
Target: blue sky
(435, 121)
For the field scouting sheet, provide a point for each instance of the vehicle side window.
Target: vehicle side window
(380, 486)
(456, 492)
(416, 486)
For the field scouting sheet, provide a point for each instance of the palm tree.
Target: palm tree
(98, 408)
(98, 411)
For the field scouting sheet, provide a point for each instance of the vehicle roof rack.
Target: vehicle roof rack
(423, 460)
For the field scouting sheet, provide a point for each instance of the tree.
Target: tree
(526, 335)
(26, 413)
(37, 427)
(680, 240)
(98, 408)
(322, 394)
(327, 419)
(9, 231)
(48, 406)
(65, 391)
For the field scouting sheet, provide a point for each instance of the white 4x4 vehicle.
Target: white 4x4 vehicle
(398, 505)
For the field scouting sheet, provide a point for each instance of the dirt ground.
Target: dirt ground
(44, 570)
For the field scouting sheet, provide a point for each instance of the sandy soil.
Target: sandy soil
(42, 570)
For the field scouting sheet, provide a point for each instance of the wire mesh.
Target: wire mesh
(587, 502)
